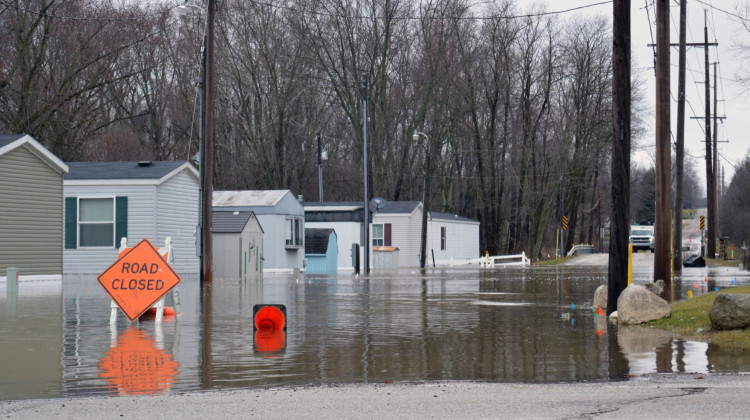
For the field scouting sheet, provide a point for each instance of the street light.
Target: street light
(423, 245)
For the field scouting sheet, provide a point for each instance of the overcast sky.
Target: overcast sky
(734, 102)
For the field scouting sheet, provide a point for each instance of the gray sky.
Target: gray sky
(733, 100)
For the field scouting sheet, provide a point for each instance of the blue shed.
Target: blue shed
(321, 251)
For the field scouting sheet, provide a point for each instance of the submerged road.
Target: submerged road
(695, 396)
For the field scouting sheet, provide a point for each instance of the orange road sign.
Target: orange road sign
(138, 279)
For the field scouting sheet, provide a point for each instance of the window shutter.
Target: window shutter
(71, 222)
(121, 219)
(387, 234)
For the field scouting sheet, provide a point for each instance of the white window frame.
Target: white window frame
(378, 240)
(294, 232)
(113, 222)
(443, 238)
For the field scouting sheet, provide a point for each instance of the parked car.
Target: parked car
(642, 239)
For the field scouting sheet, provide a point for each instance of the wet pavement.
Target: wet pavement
(530, 325)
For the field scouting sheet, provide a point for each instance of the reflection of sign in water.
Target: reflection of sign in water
(269, 341)
(138, 279)
(136, 366)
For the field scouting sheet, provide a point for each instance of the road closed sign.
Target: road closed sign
(138, 279)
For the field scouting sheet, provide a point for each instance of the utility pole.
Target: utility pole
(320, 169)
(716, 160)
(662, 269)
(366, 225)
(207, 155)
(679, 147)
(617, 276)
(710, 184)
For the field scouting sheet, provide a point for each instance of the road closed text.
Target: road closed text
(137, 284)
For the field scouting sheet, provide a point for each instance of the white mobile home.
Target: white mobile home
(283, 221)
(106, 201)
(399, 224)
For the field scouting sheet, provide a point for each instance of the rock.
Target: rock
(656, 287)
(730, 312)
(600, 297)
(636, 305)
(613, 317)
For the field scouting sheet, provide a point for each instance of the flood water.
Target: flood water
(532, 324)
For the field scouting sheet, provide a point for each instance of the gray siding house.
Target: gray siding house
(283, 219)
(237, 245)
(31, 208)
(449, 236)
(106, 201)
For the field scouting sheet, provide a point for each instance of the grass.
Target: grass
(690, 321)
(553, 261)
(717, 262)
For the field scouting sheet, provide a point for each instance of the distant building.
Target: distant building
(397, 228)
(321, 251)
(106, 201)
(283, 221)
(237, 245)
(346, 219)
(31, 208)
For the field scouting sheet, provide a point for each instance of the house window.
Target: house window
(381, 234)
(377, 235)
(442, 238)
(294, 232)
(96, 222)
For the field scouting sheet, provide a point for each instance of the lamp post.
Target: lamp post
(425, 194)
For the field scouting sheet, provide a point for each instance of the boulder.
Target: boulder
(730, 312)
(636, 305)
(656, 287)
(600, 297)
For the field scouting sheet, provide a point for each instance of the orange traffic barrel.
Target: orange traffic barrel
(269, 317)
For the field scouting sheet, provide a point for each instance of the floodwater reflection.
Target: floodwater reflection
(504, 325)
(138, 364)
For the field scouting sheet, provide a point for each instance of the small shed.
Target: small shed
(321, 251)
(237, 245)
(106, 201)
(283, 221)
(31, 208)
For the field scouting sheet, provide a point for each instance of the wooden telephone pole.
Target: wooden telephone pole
(617, 276)
(662, 269)
(679, 147)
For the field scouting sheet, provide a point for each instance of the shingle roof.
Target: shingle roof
(316, 240)
(6, 139)
(121, 170)
(393, 207)
(229, 221)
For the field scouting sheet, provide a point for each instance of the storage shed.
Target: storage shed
(283, 221)
(31, 208)
(321, 251)
(106, 201)
(237, 245)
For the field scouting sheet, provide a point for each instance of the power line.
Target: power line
(491, 17)
(84, 18)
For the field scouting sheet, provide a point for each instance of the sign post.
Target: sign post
(138, 279)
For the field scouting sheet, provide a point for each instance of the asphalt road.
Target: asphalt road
(684, 396)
